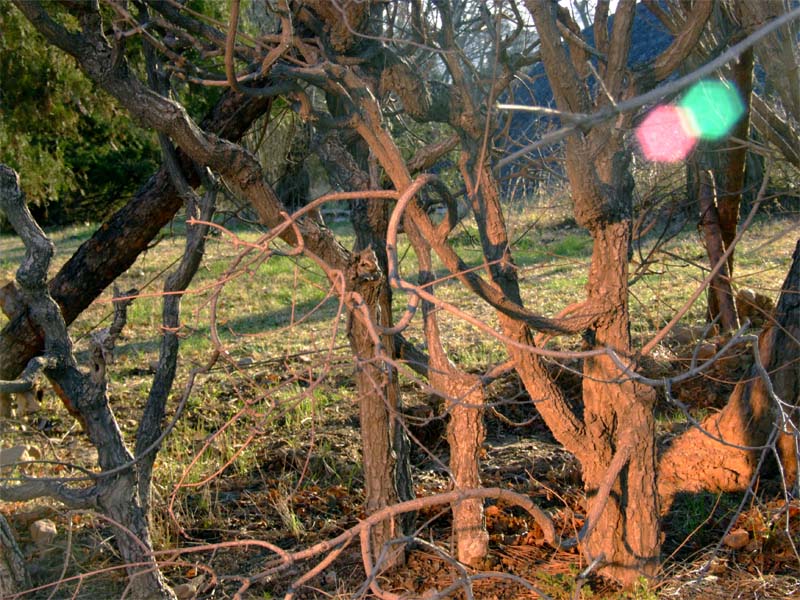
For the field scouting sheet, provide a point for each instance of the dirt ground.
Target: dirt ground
(296, 495)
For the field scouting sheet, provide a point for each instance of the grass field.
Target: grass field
(268, 445)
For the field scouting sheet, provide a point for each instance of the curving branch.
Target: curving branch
(76, 498)
(27, 379)
(685, 41)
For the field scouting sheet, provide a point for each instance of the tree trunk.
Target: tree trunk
(378, 406)
(385, 445)
(720, 295)
(464, 397)
(114, 247)
(13, 574)
(119, 501)
(618, 416)
(465, 435)
(150, 427)
(696, 462)
(722, 165)
(730, 182)
(117, 495)
(618, 413)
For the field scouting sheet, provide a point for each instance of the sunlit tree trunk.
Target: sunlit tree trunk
(385, 445)
(753, 416)
(617, 414)
(464, 398)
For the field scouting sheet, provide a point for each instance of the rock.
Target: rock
(28, 402)
(188, 590)
(755, 307)
(718, 566)
(43, 532)
(736, 539)
(185, 591)
(15, 454)
(706, 350)
(682, 335)
(746, 295)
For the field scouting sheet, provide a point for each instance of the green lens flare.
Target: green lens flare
(714, 107)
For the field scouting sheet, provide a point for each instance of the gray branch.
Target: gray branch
(76, 498)
(27, 380)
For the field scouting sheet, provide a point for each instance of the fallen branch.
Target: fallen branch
(335, 545)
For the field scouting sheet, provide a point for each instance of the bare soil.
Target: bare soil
(304, 489)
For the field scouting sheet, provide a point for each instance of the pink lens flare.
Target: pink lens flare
(665, 134)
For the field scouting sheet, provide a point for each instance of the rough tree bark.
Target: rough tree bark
(777, 52)
(115, 496)
(14, 576)
(754, 416)
(118, 242)
(617, 414)
(466, 415)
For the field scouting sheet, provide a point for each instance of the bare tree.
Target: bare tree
(115, 490)
(372, 82)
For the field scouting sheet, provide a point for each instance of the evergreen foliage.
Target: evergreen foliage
(78, 154)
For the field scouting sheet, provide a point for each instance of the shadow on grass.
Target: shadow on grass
(247, 324)
(697, 520)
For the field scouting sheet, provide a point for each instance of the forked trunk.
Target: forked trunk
(618, 414)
